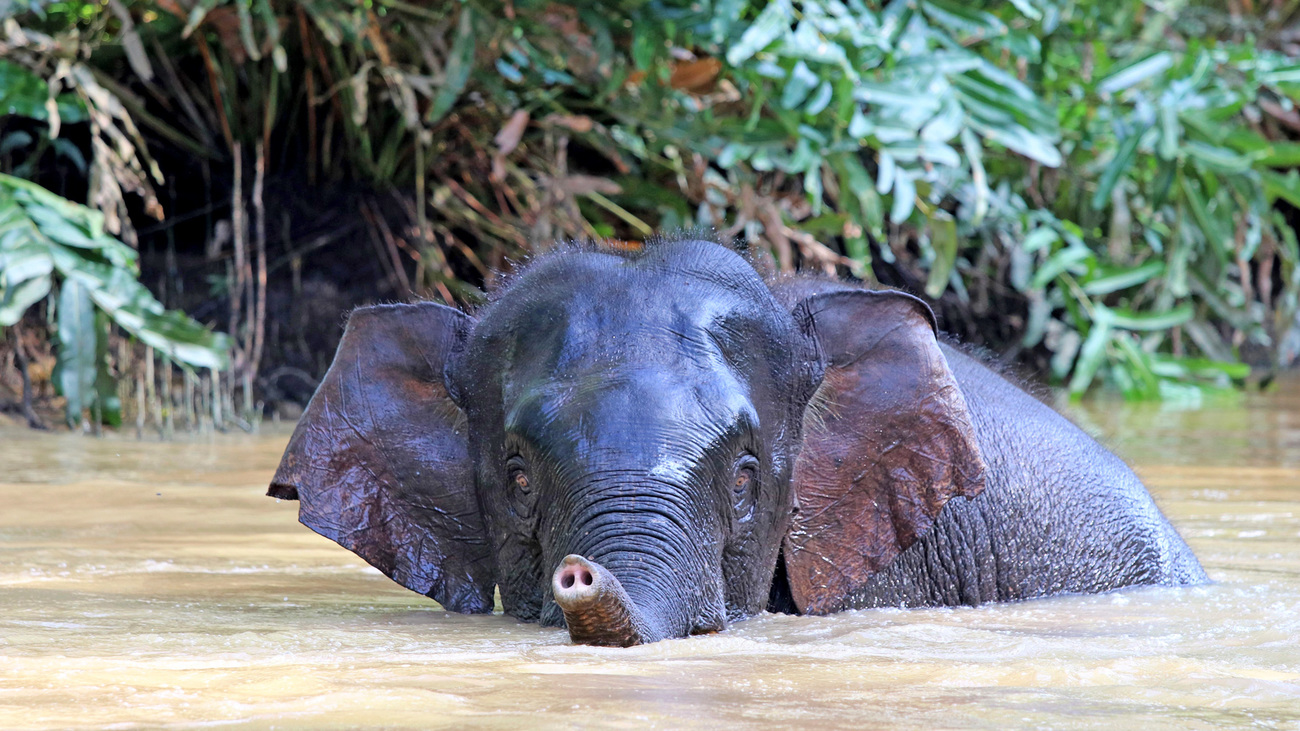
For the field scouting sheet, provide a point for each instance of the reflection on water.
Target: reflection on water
(148, 585)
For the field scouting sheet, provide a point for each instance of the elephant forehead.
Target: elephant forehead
(671, 322)
(573, 324)
(664, 326)
(680, 300)
(641, 410)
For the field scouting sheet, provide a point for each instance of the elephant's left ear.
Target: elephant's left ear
(379, 460)
(888, 441)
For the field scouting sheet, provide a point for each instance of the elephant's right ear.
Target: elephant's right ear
(379, 460)
(890, 442)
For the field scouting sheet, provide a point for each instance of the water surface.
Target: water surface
(152, 585)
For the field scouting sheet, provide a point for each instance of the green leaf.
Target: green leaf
(1135, 368)
(1269, 153)
(946, 124)
(1282, 75)
(806, 43)
(725, 14)
(60, 228)
(979, 177)
(1093, 352)
(1219, 159)
(1107, 280)
(1217, 231)
(962, 19)
(820, 100)
(1027, 9)
(15, 300)
(943, 238)
(1059, 263)
(22, 259)
(801, 81)
(1119, 164)
(855, 179)
(180, 338)
(1136, 73)
(460, 62)
(996, 99)
(1147, 321)
(1040, 313)
(892, 95)
(1018, 139)
(1171, 367)
(1168, 141)
(767, 27)
(859, 125)
(24, 94)
(1064, 357)
(904, 196)
(1285, 187)
(42, 235)
(110, 404)
(1042, 237)
(76, 352)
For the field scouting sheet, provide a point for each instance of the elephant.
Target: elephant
(655, 443)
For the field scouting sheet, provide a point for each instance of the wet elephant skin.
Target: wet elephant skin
(632, 444)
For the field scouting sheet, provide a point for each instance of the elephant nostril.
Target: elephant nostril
(573, 575)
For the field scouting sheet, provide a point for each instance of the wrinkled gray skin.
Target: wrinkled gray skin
(1088, 523)
(1059, 514)
(614, 443)
(627, 393)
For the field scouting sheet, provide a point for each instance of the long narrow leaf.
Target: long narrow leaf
(1113, 281)
(460, 62)
(1092, 354)
(1119, 164)
(76, 337)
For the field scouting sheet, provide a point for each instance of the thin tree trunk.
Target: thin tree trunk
(151, 390)
(258, 331)
(139, 405)
(191, 419)
(238, 230)
(169, 420)
(29, 413)
(217, 422)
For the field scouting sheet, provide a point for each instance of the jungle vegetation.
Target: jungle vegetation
(1103, 192)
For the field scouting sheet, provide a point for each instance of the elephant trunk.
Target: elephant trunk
(597, 610)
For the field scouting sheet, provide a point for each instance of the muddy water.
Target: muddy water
(151, 585)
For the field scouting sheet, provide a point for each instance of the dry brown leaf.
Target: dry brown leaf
(513, 131)
(695, 77)
(586, 184)
(577, 122)
(173, 7)
(130, 39)
(376, 38)
(225, 23)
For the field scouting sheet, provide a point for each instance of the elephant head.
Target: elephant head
(615, 443)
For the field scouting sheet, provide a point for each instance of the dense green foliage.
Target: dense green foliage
(52, 247)
(44, 238)
(1107, 182)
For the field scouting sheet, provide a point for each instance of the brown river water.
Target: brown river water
(147, 584)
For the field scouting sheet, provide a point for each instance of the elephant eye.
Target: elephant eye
(517, 469)
(743, 479)
(746, 473)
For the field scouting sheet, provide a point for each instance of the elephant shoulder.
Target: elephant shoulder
(1067, 514)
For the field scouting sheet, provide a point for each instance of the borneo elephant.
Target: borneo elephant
(652, 444)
